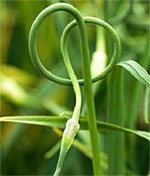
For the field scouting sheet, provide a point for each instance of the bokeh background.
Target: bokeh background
(25, 92)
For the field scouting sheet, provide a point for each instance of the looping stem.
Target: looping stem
(72, 125)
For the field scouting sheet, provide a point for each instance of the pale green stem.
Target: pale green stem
(76, 112)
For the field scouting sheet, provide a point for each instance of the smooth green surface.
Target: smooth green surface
(117, 46)
(86, 70)
(147, 105)
(59, 122)
(36, 60)
(29, 143)
(137, 71)
(116, 115)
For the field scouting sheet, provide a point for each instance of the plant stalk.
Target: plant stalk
(90, 102)
(86, 70)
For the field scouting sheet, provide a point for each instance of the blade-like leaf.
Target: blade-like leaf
(53, 150)
(137, 71)
(115, 115)
(59, 122)
(146, 105)
(51, 121)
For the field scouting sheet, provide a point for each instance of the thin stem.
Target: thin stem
(89, 94)
(87, 78)
(76, 112)
(62, 155)
(86, 69)
(90, 102)
(73, 126)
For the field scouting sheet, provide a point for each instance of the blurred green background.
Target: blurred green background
(23, 91)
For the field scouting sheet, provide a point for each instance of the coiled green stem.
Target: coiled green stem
(113, 33)
(72, 125)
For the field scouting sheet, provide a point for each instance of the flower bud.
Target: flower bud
(70, 132)
(98, 64)
(72, 127)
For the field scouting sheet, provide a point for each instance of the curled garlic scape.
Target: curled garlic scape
(72, 125)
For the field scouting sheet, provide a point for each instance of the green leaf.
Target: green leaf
(59, 122)
(137, 71)
(147, 105)
(115, 115)
(51, 121)
(53, 150)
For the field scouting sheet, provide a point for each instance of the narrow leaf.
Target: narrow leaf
(115, 115)
(147, 105)
(59, 122)
(53, 150)
(137, 71)
(51, 121)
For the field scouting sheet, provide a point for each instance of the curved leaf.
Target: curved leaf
(147, 105)
(59, 122)
(137, 71)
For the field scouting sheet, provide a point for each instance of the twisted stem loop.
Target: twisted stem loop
(72, 125)
(117, 46)
(46, 73)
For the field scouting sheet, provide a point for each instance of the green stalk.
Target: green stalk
(133, 107)
(90, 102)
(98, 22)
(115, 115)
(72, 125)
(86, 70)
(88, 92)
(76, 112)
(91, 109)
(62, 155)
(116, 151)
